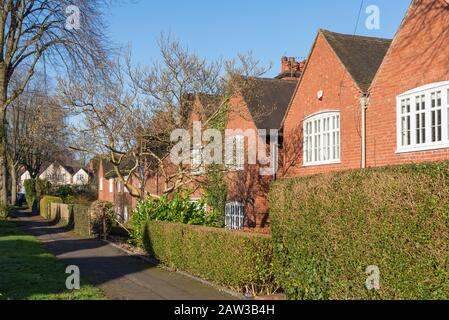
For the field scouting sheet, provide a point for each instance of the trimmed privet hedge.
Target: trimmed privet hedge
(81, 220)
(236, 260)
(45, 204)
(329, 228)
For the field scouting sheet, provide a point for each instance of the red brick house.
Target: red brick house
(111, 188)
(407, 120)
(260, 107)
(324, 119)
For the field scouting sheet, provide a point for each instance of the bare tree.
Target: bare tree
(45, 133)
(36, 131)
(33, 30)
(133, 111)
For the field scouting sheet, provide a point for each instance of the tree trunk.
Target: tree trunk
(3, 162)
(13, 175)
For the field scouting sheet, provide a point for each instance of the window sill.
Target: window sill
(321, 164)
(422, 148)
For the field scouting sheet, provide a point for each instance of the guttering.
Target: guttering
(364, 100)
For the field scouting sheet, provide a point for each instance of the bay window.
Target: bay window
(425, 126)
(322, 139)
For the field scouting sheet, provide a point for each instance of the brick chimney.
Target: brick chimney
(291, 69)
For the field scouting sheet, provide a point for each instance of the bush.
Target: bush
(43, 188)
(45, 203)
(216, 193)
(179, 209)
(237, 260)
(328, 229)
(30, 194)
(72, 194)
(34, 190)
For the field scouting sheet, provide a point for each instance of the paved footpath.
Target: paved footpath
(118, 275)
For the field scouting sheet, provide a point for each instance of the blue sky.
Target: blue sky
(271, 29)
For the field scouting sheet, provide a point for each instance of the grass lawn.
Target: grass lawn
(28, 272)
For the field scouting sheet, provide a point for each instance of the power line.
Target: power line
(358, 17)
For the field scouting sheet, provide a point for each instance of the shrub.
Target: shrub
(237, 260)
(34, 190)
(73, 194)
(328, 229)
(30, 194)
(179, 209)
(43, 188)
(45, 203)
(216, 193)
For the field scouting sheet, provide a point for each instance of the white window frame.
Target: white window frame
(111, 185)
(322, 139)
(101, 183)
(235, 216)
(80, 178)
(437, 111)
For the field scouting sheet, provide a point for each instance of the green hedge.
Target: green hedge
(45, 203)
(80, 213)
(30, 194)
(236, 260)
(328, 229)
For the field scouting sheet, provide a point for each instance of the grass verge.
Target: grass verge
(28, 272)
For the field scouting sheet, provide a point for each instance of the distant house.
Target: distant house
(111, 188)
(260, 108)
(60, 174)
(256, 109)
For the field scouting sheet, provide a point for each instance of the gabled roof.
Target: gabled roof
(361, 56)
(268, 101)
(125, 167)
(72, 168)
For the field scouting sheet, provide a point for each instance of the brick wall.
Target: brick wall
(419, 55)
(105, 194)
(248, 186)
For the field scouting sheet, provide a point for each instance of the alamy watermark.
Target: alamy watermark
(73, 21)
(372, 22)
(236, 149)
(73, 281)
(373, 279)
